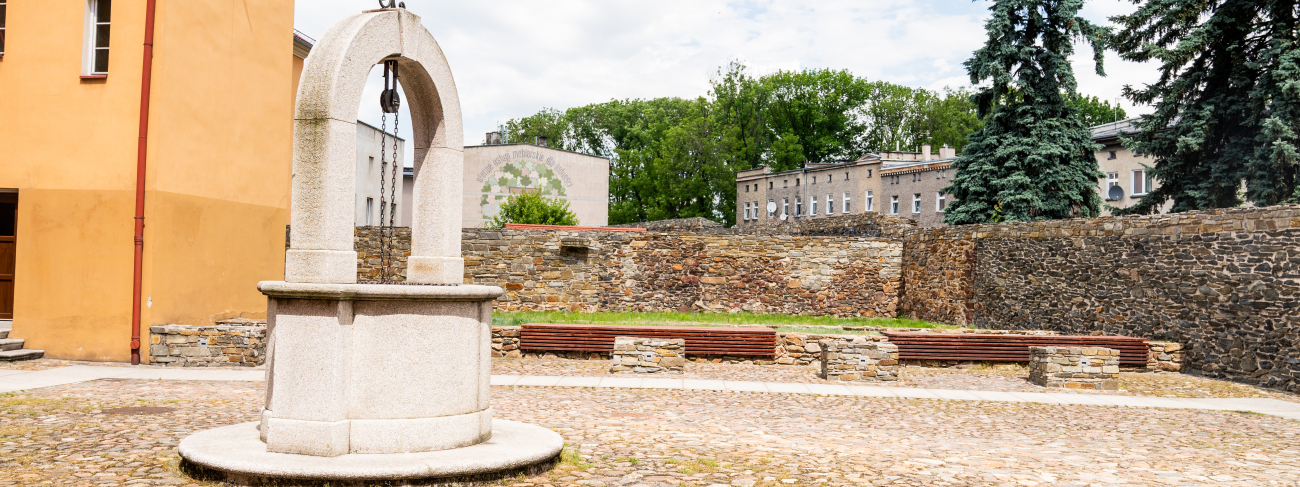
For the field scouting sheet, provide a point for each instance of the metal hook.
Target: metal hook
(392, 4)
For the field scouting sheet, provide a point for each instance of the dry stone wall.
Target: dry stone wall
(1223, 284)
(636, 271)
(230, 343)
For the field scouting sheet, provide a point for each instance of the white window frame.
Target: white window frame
(870, 199)
(370, 208)
(814, 206)
(785, 207)
(830, 203)
(844, 208)
(746, 211)
(916, 203)
(89, 50)
(773, 210)
(1112, 179)
(893, 205)
(798, 206)
(938, 202)
(1140, 177)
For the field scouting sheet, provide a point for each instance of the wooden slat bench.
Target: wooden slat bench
(600, 338)
(1006, 348)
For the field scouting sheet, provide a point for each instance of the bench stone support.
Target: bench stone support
(641, 355)
(1074, 367)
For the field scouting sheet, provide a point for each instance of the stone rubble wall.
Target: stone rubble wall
(1165, 357)
(634, 271)
(858, 359)
(641, 355)
(1093, 368)
(1225, 284)
(238, 342)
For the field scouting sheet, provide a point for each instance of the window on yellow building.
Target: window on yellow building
(2, 27)
(95, 52)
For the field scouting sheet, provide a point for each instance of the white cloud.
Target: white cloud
(513, 58)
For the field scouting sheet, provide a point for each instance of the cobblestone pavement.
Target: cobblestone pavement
(1005, 378)
(62, 436)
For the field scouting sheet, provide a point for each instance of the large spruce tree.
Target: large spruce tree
(1227, 104)
(1034, 158)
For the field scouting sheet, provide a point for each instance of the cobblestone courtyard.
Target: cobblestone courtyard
(63, 436)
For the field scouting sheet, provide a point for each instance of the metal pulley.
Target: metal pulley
(389, 100)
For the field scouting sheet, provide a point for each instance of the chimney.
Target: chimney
(947, 152)
(493, 138)
(925, 152)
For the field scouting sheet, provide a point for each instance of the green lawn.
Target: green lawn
(809, 324)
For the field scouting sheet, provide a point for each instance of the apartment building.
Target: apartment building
(813, 191)
(912, 185)
(1127, 179)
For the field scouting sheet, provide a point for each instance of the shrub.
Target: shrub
(532, 208)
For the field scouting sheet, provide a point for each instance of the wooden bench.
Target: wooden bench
(1006, 348)
(700, 340)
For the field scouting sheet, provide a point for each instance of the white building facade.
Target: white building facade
(370, 159)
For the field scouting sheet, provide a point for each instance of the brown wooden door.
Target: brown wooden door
(8, 247)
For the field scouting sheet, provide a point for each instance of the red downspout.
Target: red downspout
(141, 152)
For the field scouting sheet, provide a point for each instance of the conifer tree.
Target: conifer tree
(1227, 103)
(1034, 158)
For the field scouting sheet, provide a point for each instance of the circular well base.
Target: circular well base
(236, 453)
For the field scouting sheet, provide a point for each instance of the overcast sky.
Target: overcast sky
(513, 58)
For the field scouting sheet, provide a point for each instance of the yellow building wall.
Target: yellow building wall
(217, 184)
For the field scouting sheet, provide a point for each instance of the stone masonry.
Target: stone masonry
(1225, 284)
(226, 343)
(1093, 368)
(1165, 357)
(636, 271)
(640, 355)
(858, 359)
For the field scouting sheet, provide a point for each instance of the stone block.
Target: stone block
(1074, 367)
(640, 355)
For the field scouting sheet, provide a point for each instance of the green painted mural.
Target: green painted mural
(514, 176)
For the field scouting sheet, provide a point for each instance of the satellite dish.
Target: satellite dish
(771, 207)
(1115, 193)
(783, 216)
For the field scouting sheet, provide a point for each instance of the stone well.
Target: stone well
(374, 382)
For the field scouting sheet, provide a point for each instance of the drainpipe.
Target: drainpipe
(142, 150)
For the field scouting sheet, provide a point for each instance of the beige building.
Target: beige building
(1123, 168)
(912, 185)
(822, 190)
(814, 191)
(493, 172)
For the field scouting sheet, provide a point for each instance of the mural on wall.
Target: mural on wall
(516, 171)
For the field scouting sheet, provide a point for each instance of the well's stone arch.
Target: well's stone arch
(324, 153)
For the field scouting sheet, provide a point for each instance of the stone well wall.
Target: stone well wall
(1224, 283)
(635, 271)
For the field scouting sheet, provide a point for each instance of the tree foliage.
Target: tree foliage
(1033, 158)
(1226, 105)
(532, 208)
(1094, 111)
(677, 158)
